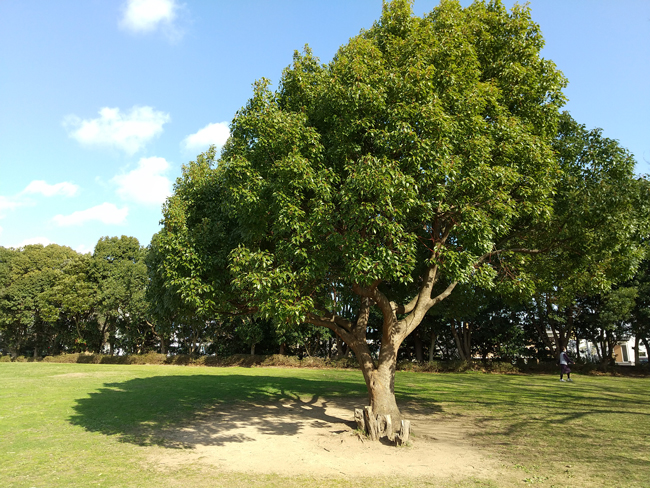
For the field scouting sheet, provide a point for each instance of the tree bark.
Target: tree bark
(541, 330)
(419, 356)
(381, 390)
(463, 338)
(341, 348)
(432, 346)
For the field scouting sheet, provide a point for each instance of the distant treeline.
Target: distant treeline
(114, 301)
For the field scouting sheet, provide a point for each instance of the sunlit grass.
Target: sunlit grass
(94, 425)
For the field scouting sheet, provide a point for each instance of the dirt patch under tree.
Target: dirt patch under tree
(318, 437)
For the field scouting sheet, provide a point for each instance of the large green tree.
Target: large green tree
(118, 268)
(595, 238)
(30, 311)
(76, 296)
(420, 157)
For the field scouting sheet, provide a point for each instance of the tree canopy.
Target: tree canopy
(420, 157)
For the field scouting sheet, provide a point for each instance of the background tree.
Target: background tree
(29, 311)
(640, 313)
(605, 320)
(119, 269)
(77, 297)
(595, 237)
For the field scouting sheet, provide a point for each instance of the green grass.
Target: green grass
(95, 425)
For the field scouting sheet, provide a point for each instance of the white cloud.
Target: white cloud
(40, 186)
(145, 184)
(106, 213)
(7, 203)
(83, 249)
(35, 240)
(129, 131)
(217, 134)
(143, 16)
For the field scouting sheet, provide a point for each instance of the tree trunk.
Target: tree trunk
(611, 342)
(380, 382)
(283, 348)
(541, 330)
(105, 335)
(341, 349)
(599, 352)
(419, 356)
(459, 345)
(636, 351)
(253, 349)
(463, 339)
(432, 346)
(380, 376)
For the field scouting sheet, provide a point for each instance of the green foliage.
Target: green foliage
(601, 219)
(640, 313)
(119, 269)
(29, 308)
(425, 146)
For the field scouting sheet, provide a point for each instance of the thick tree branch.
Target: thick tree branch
(331, 323)
(408, 308)
(337, 319)
(378, 297)
(444, 294)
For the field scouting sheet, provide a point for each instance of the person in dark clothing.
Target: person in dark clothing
(565, 360)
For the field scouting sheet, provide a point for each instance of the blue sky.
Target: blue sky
(101, 101)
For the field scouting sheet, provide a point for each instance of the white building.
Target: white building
(623, 352)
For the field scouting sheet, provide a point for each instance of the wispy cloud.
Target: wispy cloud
(107, 213)
(22, 199)
(127, 131)
(216, 134)
(8, 203)
(43, 188)
(35, 240)
(144, 16)
(146, 184)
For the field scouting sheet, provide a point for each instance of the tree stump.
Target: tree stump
(378, 426)
(404, 434)
(358, 418)
(372, 429)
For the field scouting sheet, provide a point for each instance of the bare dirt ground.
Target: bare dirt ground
(317, 437)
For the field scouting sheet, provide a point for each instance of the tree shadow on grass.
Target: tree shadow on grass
(185, 411)
(598, 423)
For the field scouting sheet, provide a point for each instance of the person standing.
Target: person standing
(565, 360)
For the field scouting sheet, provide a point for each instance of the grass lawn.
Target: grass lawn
(66, 425)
